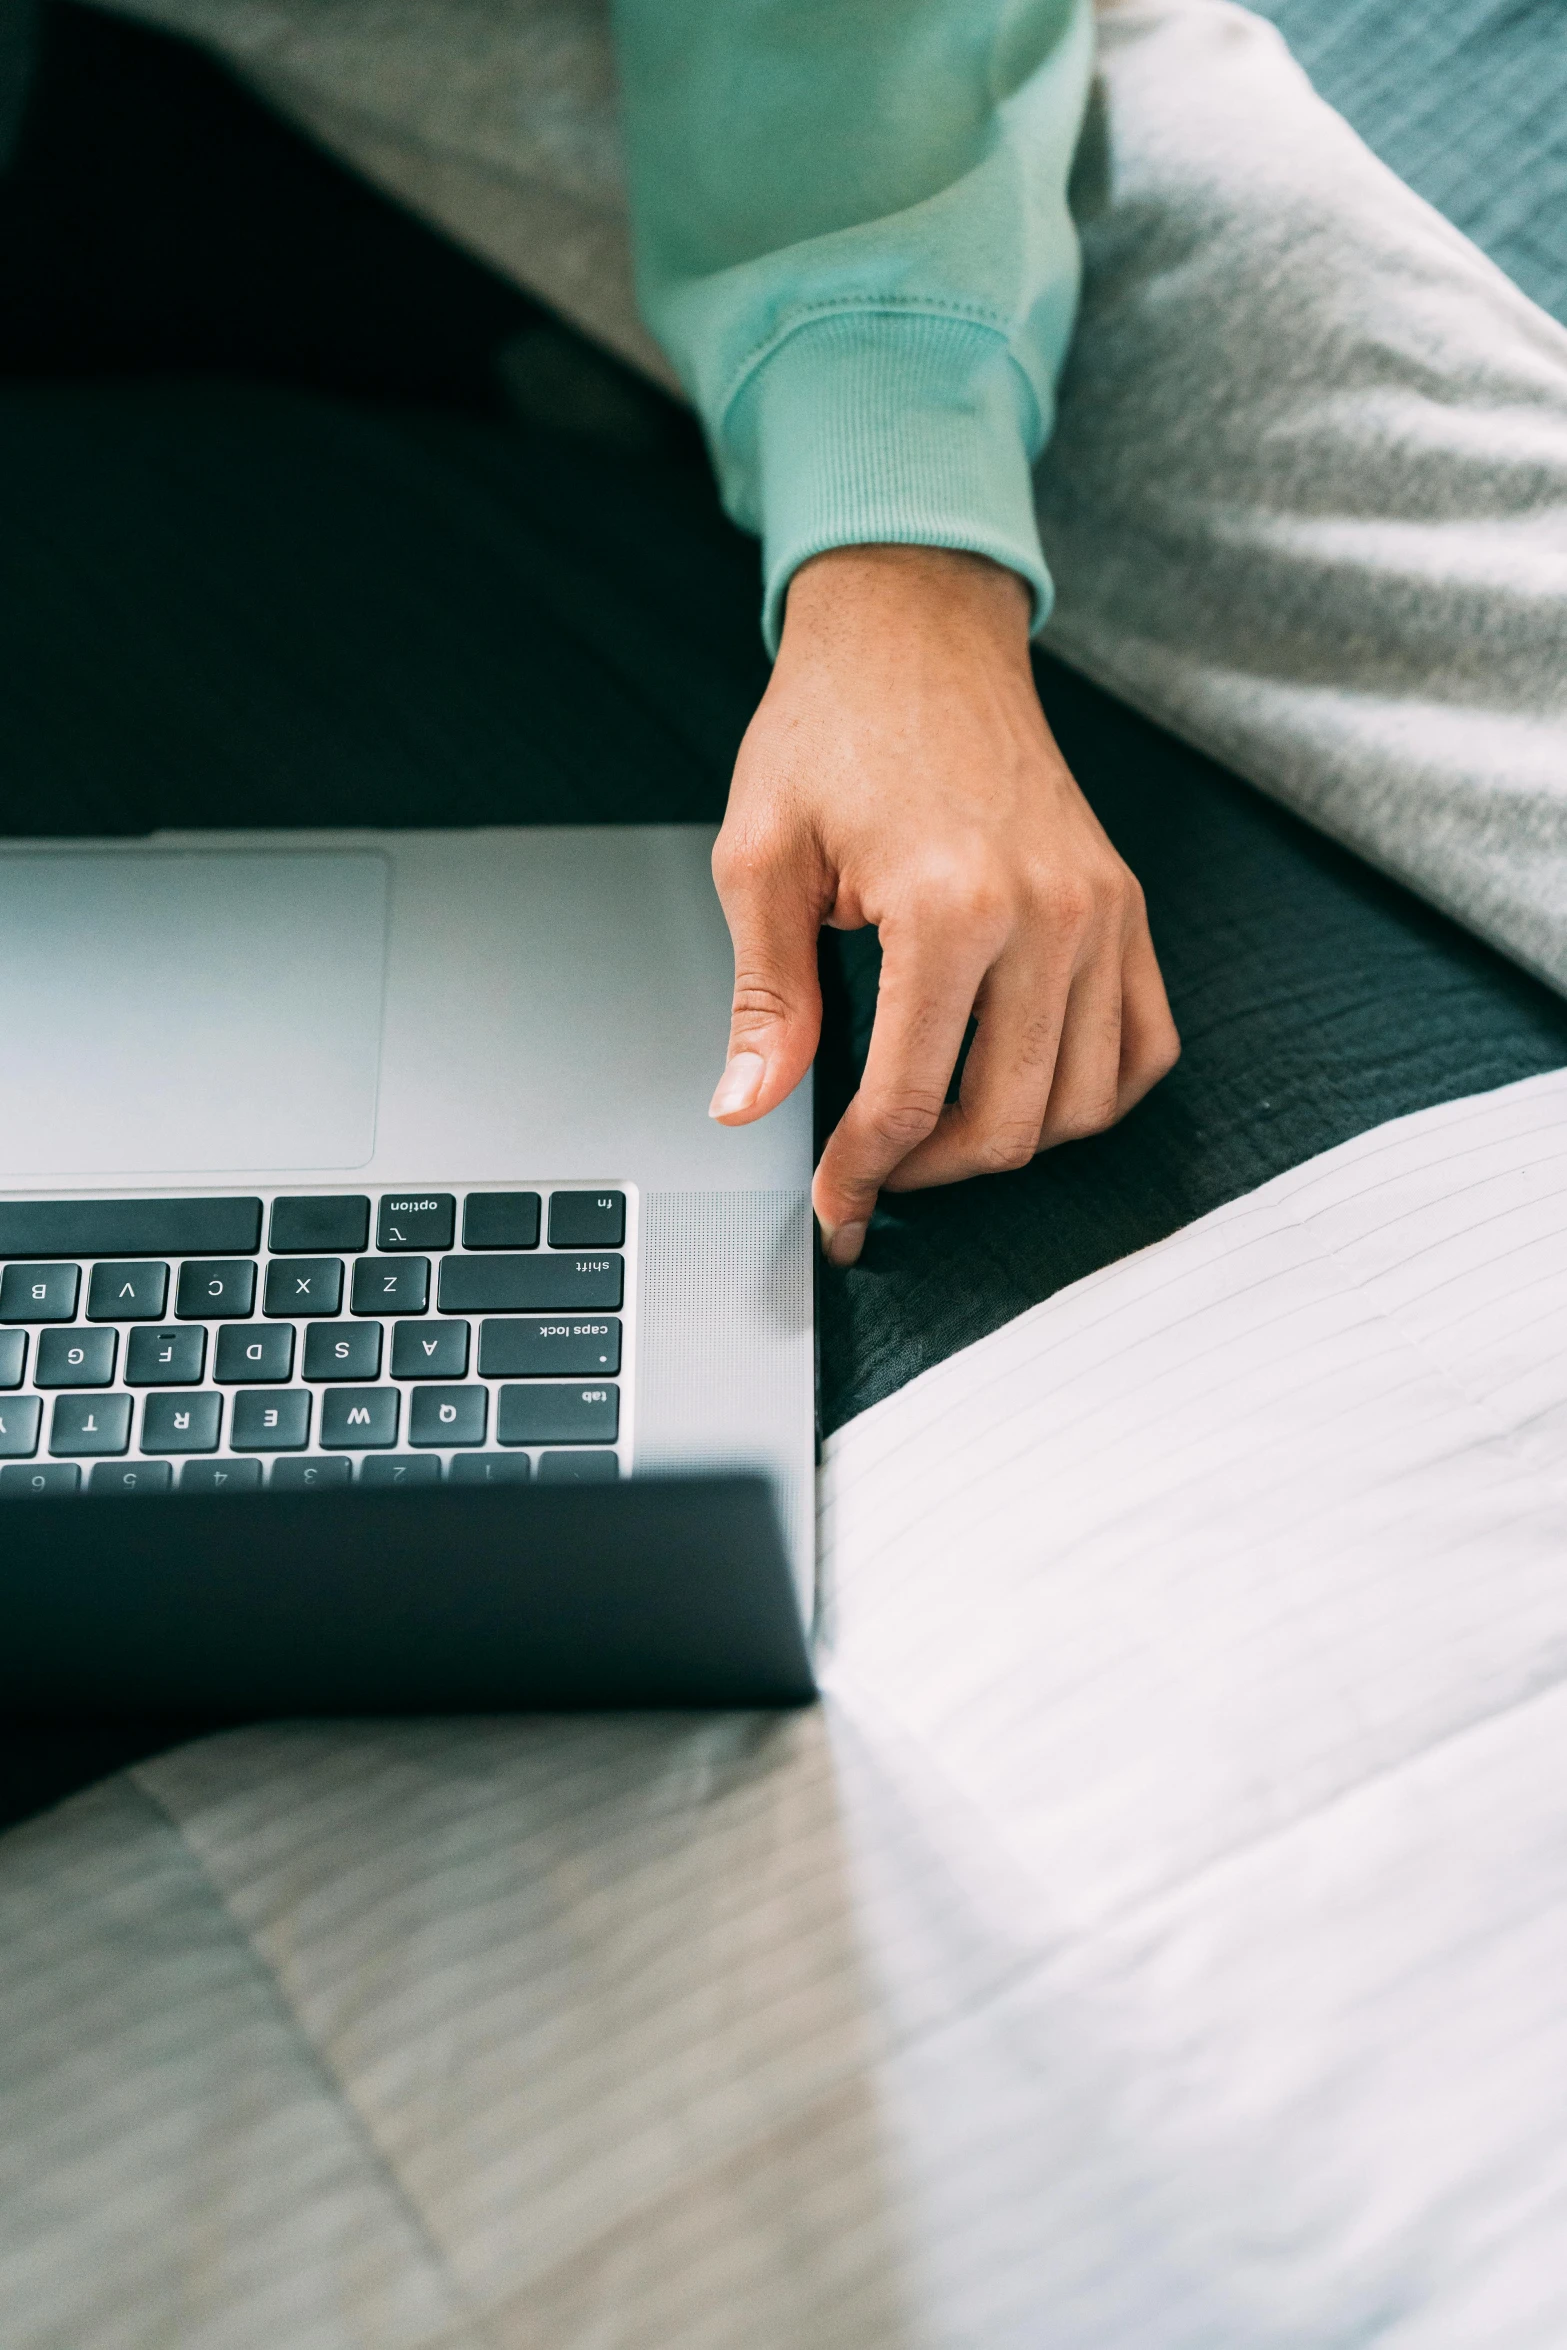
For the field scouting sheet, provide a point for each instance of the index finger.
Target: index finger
(930, 976)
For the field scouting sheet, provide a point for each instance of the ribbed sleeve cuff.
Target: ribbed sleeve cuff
(886, 427)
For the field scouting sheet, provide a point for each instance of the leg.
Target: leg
(1307, 503)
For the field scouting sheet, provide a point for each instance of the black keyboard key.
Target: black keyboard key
(75, 1358)
(216, 1292)
(129, 1227)
(304, 1285)
(577, 1468)
(500, 1219)
(320, 1475)
(13, 1357)
(343, 1350)
(271, 1419)
(447, 1415)
(491, 1468)
(131, 1477)
(360, 1419)
(127, 1293)
(401, 1470)
(43, 1479)
(430, 1350)
(257, 1357)
(166, 1357)
(391, 1285)
(299, 1227)
(587, 1219)
(532, 1349)
(39, 1293)
(181, 1423)
(86, 1424)
(530, 1285)
(416, 1219)
(557, 1415)
(19, 1419)
(220, 1476)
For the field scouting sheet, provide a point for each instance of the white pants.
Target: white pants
(1306, 503)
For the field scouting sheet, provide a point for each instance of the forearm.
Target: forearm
(853, 241)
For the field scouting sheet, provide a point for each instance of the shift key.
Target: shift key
(530, 1285)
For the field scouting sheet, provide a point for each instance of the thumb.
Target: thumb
(777, 1013)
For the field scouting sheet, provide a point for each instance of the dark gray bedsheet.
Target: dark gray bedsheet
(1467, 100)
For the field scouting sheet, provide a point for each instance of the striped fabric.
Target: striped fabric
(1156, 1942)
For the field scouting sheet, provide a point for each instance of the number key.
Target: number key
(131, 1477)
(402, 1469)
(43, 1478)
(391, 1285)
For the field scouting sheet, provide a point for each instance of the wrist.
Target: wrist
(845, 589)
(945, 581)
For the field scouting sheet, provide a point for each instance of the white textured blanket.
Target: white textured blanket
(1158, 1940)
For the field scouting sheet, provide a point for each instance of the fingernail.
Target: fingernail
(841, 1244)
(739, 1085)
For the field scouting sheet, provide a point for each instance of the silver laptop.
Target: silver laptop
(379, 1165)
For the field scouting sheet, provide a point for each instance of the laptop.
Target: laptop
(383, 1322)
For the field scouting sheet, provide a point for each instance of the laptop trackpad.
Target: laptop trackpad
(189, 1011)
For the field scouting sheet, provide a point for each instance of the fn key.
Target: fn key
(587, 1219)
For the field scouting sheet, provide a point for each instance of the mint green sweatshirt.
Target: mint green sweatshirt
(852, 239)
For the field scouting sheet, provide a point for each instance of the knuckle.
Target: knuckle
(1165, 1055)
(1068, 902)
(1155, 1054)
(746, 858)
(962, 894)
(1002, 1149)
(1080, 1119)
(900, 1122)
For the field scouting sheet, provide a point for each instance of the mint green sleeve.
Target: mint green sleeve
(853, 241)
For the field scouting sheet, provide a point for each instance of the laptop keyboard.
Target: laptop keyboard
(312, 1341)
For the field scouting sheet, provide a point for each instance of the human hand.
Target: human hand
(900, 772)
